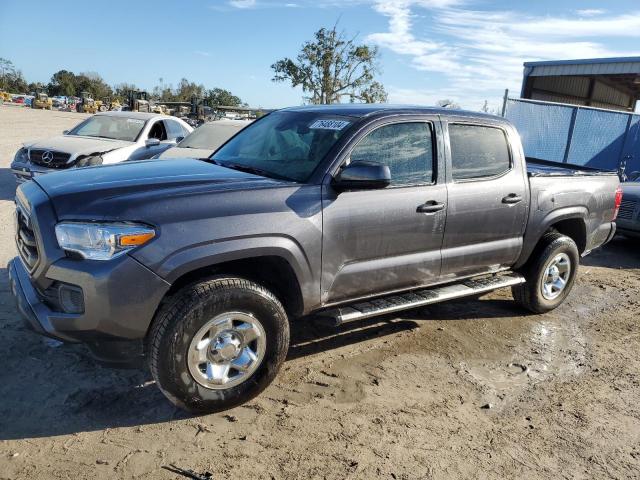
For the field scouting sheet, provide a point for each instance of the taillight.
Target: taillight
(618, 202)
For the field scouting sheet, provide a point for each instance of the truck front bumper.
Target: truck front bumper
(119, 299)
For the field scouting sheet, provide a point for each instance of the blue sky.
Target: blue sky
(465, 50)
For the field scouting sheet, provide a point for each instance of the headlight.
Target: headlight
(89, 161)
(102, 241)
(21, 155)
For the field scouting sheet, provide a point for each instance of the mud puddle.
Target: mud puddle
(550, 350)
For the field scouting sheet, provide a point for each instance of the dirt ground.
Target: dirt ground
(398, 398)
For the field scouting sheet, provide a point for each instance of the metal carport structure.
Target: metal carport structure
(610, 83)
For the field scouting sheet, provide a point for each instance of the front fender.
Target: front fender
(213, 253)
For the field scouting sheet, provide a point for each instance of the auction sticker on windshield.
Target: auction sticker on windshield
(329, 124)
(135, 120)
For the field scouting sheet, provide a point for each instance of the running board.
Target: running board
(419, 298)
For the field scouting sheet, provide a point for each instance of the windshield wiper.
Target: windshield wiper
(249, 169)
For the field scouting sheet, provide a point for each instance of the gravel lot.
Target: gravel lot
(397, 398)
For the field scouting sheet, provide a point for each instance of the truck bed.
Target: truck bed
(543, 168)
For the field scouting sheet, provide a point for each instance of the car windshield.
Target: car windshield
(108, 126)
(211, 135)
(287, 145)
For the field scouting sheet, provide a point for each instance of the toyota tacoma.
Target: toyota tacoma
(342, 212)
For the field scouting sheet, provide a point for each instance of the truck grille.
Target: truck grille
(627, 207)
(26, 239)
(49, 158)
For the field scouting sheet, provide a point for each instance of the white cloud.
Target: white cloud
(202, 53)
(242, 3)
(481, 52)
(591, 12)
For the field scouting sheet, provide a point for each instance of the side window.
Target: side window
(174, 129)
(158, 131)
(405, 147)
(478, 151)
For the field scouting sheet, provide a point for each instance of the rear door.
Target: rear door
(488, 199)
(378, 240)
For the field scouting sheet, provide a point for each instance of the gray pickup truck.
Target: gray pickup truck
(344, 212)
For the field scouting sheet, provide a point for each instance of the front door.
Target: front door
(488, 201)
(377, 241)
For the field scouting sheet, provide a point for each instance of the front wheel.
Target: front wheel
(550, 274)
(217, 344)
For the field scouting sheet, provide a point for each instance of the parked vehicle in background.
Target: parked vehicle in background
(105, 138)
(42, 101)
(629, 217)
(59, 101)
(346, 211)
(88, 105)
(205, 139)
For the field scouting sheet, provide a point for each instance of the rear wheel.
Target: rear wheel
(217, 344)
(550, 274)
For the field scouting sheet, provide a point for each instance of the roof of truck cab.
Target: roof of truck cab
(366, 109)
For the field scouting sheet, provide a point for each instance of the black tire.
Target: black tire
(530, 294)
(185, 313)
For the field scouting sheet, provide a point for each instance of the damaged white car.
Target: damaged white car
(105, 138)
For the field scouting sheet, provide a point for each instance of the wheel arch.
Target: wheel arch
(271, 271)
(570, 222)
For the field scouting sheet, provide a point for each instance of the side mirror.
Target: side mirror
(362, 176)
(152, 142)
(64, 132)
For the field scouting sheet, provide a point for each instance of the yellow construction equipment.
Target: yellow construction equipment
(108, 104)
(42, 100)
(87, 104)
(139, 101)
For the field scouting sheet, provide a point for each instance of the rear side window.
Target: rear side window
(478, 151)
(406, 148)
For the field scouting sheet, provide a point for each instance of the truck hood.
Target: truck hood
(113, 191)
(78, 145)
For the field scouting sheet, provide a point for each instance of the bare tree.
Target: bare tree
(333, 67)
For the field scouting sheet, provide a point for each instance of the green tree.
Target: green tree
(63, 82)
(333, 67)
(94, 84)
(222, 97)
(11, 79)
(121, 91)
(187, 89)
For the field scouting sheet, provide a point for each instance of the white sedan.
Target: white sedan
(205, 139)
(105, 138)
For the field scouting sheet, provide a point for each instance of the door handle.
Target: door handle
(512, 198)
(430, 207)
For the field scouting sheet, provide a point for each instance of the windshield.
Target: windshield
(284, 144)
(211, 135)
(106, 126)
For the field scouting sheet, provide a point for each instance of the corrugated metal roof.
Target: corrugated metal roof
(591, 66)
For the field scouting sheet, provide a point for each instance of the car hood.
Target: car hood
(77, 145)
(180, 152)
(114, 191)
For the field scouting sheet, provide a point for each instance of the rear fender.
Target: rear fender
(533, 235)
